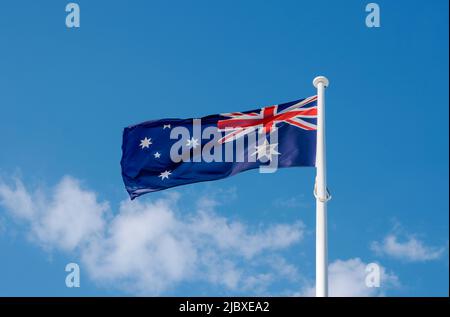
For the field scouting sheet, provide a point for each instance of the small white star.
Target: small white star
(145, 143)
(166, 126)
(157, 155)
(165, 175)
(192, 142)
(266, 150)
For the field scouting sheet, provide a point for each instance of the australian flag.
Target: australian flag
(165, 153)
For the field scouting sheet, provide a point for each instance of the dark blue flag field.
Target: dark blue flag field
(164, 153)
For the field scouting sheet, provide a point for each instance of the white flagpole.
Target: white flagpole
(321, 192)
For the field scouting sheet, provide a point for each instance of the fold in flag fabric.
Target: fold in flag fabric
(165, 153)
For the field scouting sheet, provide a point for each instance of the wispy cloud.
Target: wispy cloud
(410, 249)
(291, 202)
(150, 247)
(405, 246)
(347, 278)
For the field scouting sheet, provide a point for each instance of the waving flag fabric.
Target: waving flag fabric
(165, 153)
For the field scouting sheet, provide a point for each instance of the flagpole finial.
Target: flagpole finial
(320, 79)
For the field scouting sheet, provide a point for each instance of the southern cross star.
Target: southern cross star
(266, 150)
(157, 155)
(165, 175)
(166, 126)
(145, 143)
(192, 142)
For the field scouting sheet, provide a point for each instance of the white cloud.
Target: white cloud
(68, 217)
(347, 278)
(149, 247)
(17, 200)
(411, 249)
(237, 237)
(143, 249)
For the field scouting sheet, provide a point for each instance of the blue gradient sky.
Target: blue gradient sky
(66, 94)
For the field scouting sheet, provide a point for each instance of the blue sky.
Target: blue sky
(66, 95)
